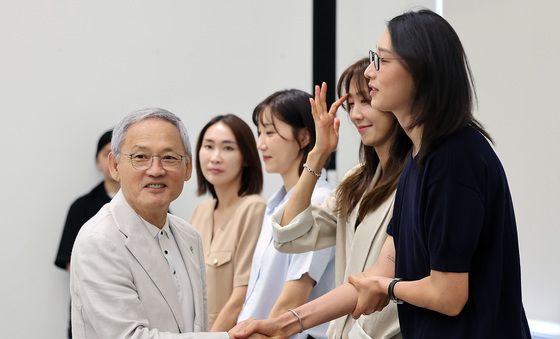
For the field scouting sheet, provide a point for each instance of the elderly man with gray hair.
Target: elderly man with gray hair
(137, 271)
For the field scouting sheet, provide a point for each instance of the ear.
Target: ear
(114, 167)
(188, 169)
(304, 137)
(97, 164)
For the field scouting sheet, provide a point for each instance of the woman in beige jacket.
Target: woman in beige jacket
(356, 215)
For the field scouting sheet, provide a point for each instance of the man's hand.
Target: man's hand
(372, 293)
(256, 329)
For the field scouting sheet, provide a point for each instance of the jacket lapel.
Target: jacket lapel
(140, 243)
(363, 240)
(362, 245)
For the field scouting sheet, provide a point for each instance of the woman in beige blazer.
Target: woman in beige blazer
(356, 215)
(228, 166)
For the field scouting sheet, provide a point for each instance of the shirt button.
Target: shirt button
(161, 232)
(215, 261)
(165, 251)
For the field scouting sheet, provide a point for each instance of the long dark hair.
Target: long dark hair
(356, 185)
(251, 173)
(292, 107)
(444, 87)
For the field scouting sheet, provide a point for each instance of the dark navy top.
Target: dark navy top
(455, 214)
(80, 211)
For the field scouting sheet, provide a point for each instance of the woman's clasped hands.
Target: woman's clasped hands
(372, 293)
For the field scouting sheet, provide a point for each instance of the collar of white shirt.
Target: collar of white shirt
(154, 230)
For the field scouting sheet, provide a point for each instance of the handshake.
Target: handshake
(259, 329)
(362, 294)
(280, 327)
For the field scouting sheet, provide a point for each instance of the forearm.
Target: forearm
(285, 303)
(294, 293)
(301, 196)
(332, 305)
(445, 293)
(227, 318)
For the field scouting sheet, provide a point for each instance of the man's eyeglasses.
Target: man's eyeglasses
(143, 161)
(375, 59)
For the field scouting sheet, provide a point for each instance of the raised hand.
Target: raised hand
(372, 295)
(326, 122)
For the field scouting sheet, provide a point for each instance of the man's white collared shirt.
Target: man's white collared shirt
(177, 270)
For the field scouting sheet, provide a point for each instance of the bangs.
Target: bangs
(354, 75)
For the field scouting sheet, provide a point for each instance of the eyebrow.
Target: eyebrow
(222, 142)
(381, 49)
(139, 148)
(146, 149)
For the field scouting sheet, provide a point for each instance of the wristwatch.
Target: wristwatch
(391, 291)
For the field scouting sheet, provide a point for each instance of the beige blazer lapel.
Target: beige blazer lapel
(139, 243)
(363, 243)
(190, 250)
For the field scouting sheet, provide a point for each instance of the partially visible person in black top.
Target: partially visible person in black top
(87, 206)
(453, 237)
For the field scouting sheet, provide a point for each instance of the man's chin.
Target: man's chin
(154, 205)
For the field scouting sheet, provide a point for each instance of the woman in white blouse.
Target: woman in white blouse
(281, 281)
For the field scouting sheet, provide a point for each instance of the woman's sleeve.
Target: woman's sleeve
(453, 213)
(313, 229)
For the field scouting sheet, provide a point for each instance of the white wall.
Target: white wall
(70, 69)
